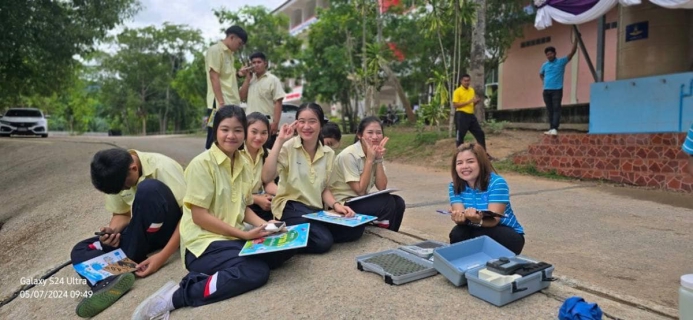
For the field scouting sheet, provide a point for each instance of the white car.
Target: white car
(288, 114)
(23, 121)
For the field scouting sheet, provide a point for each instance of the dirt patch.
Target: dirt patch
(500, 146)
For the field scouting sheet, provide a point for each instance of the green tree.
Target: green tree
(190, 85)
(162, 51)
(38, 40)
(329, 64)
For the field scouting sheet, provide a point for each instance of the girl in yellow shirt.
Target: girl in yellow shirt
(255, 152)
(211, 229)
(304, 164)
(358, 168)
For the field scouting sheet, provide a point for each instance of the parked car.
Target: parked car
(23, 121)
(288, 114)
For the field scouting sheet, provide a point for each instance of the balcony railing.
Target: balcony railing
(303, 26)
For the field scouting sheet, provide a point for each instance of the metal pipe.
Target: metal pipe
(601, 28)
(585, 53)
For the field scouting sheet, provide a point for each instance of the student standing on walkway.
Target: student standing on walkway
(221, 75)
(304, 166)
(551, 75)
(212, 232)
(475, 187)
(463, 99)
(358, 168)
(264, 93)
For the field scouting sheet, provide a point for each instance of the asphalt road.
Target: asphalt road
(626, 246)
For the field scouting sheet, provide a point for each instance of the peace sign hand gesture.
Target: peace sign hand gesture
(286, 132)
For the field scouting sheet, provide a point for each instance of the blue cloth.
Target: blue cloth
(576, 308)
(553, 72)
(498, 192)
(688, 144)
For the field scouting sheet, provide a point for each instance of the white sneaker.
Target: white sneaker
(158, 305)
(551, 132)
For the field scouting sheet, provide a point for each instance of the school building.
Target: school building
(639, 112)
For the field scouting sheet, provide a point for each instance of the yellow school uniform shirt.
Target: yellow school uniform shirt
(220, 59)
(300, 179)
(225, 194)
(462, 94)
(348, 167)
(263, 92)
(255, 167)
(154, 166)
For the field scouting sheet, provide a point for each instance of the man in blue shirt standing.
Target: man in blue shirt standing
(551, 74)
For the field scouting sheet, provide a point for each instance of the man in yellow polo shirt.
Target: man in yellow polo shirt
(144, 191)
(221, 74)
(463, 100)
(264, 93)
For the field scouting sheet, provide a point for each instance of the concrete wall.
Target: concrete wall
(643, 105)
(519, 83)
(667, 49)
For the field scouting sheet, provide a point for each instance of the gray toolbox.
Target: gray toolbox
(456, 259)
(396, 266)
(424, 249)
(499, 293)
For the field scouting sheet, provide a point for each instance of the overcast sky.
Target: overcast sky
(195, 13)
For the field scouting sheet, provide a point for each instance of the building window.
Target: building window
(296, 18)
(310, 10)
(611, 25)
(492, 75)
(535, 42)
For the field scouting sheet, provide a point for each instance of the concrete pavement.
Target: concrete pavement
(628, 252)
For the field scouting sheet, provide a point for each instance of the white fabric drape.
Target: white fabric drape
(547, 14)
(674, 4)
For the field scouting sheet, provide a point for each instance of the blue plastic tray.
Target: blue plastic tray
(454, 260)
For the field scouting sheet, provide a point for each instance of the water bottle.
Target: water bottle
(686, 297)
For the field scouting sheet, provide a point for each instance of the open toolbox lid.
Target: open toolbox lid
(454, 260)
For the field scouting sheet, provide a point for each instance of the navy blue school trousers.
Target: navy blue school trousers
(220, 273)
(155, 216)
(389, 209)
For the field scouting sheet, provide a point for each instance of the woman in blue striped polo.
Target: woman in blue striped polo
(476, 187)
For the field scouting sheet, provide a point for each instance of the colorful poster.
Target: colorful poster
(336, 218)
(294, 237)
(105, 265)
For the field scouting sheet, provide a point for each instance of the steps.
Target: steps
(651, 160)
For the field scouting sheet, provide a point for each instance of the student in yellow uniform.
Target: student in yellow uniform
(144, 191)
(264, 93)
(358, 168)
(255, 152)
(332, 135)
(211, 231)
(222, 76)
(304, 166)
